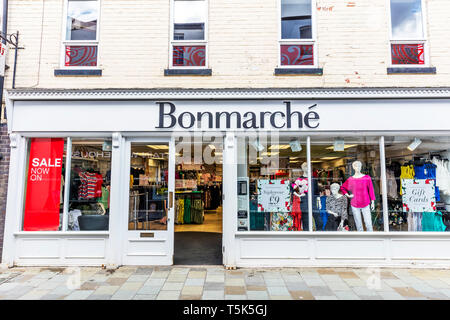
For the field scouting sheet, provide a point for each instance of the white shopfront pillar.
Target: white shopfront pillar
(118, 184)
(230, 200)
(15, 194)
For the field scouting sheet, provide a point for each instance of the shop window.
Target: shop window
(148, 203)
(188, 39)
(408, 40)
(80, 45)
(297, 33)
(348, 174)
(90, 181)
(418, 183)
(45, 185)
(273, 185)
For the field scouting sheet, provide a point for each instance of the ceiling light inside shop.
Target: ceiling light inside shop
(413, 146)
(295, 161)
(329, 158)
(269, 154)
(295, 146)
(346, 146)
(159, 147)
(279, 147)
(316, 161)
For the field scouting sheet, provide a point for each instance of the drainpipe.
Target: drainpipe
(4, 33)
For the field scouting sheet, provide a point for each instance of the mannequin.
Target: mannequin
(301, 195)
(363, 196)
(337, 207)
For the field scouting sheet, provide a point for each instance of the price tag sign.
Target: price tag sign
(274, 196)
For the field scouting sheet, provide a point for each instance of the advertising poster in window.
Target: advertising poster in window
(43, 193)
(274, 196)
(418, 195)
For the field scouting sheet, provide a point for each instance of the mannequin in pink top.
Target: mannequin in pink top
(363, 196)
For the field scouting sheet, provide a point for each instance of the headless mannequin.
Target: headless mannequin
(357, 166)
(334, 188)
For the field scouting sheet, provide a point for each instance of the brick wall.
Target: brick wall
(352, 37)
(4, 168)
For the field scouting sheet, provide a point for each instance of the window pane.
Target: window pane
(348, 172)
(44, 185)
(90, 183)
(406, 17)
(189, 20)
(407, 53)
(82, 19)
(81, 56)
(418, 183)
(296, 19)
(273, 185)
(189, 56)
(148, 186)
(297, 55)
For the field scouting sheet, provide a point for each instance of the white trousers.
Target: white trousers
(367, 218)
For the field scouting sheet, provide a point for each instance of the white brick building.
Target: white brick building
(113, 82)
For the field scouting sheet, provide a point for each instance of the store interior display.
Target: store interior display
(198, 189)
(90, 181)
(148, 187)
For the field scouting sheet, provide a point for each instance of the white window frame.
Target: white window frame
(423, 40)
(312, 41)
(65, 43)
(174, 43)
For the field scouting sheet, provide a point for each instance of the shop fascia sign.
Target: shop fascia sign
(284, 117)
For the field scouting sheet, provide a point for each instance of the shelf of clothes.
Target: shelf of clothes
(189, 208)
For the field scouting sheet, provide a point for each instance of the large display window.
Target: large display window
(273, 184)
(67, 193)
(418, 183)
(348, 173)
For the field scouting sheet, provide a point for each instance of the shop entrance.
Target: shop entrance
(198, 204)
(149, 222)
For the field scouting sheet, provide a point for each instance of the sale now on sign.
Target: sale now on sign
(43, 198)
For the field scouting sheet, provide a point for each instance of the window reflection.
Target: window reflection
(296, 19)
(406, 17)
(189, 20)
(82, 20)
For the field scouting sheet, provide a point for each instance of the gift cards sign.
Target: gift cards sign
(43, 197)
(418, 195)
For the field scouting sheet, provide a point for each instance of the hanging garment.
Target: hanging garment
(442, 176)
(187, 210)
(296, 213)
(391, 183)
(407, 172)
(427, 171)
(414, 221)
(104, 199)
(281, 221)
(432, 221)
(323, 211)
(181, 211)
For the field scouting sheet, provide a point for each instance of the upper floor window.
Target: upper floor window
(80, 45)
(189, 33)
(408, 40)
(297, 45)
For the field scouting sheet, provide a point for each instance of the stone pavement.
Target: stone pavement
(215, 283)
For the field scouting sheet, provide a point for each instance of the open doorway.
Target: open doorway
(198, 204)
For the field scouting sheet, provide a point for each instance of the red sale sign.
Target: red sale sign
(42, 201)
